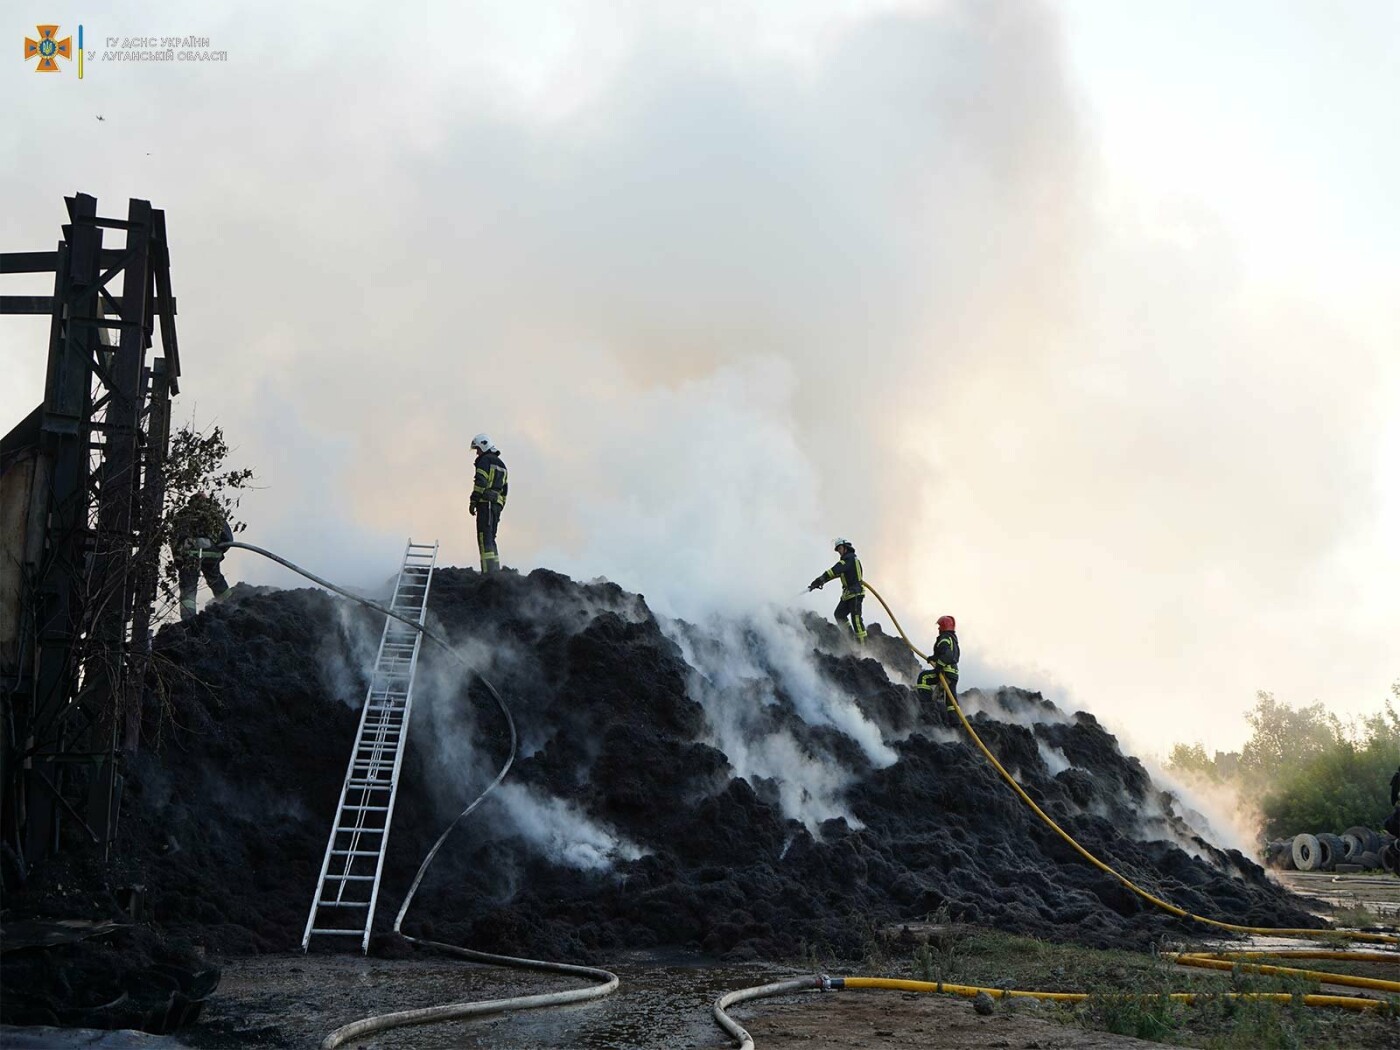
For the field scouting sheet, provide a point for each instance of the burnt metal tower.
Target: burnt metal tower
(81, 497)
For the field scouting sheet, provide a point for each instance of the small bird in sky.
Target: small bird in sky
(101, 117)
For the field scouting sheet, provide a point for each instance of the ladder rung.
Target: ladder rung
(382, 785)
(368, 809)
(354, 853)
(342, 904)
(338, 933)
(342, 828)
(350, 878)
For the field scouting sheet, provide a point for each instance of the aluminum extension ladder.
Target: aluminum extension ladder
(348, 888)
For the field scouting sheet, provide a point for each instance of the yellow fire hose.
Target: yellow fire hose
(967, 991)
(1372, 938)
(1233, 961)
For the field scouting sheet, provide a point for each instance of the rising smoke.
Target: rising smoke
(723, 287)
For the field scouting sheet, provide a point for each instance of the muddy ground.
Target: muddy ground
(662, 1002)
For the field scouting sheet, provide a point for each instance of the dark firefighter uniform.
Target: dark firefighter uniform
(944, 660)
(488, 500)
(852, 590)
(199, 534)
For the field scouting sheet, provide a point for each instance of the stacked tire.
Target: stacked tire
(1356, 849)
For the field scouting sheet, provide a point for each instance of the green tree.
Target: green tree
(1285, 738)
(1309, 770)
(1191, 759)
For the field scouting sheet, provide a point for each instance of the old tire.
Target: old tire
(1390, 859)
(1369, 838)
(1369, 860)
(1352, 847)
(1306, 852)
(1332, 850)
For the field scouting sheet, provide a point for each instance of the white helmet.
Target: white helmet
(840, 541)
(481, 443)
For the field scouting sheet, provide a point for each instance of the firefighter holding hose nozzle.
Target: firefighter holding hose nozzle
(199, 538)
(944, 661)
(852, 588)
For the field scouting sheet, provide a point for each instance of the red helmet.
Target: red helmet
(947, 623)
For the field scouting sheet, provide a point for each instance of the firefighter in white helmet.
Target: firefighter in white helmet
(852, 587)
(489, 490)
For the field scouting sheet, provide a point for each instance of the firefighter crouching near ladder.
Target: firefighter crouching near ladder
(488, 500)
(944, 659)
(199, 538)
(852, 589)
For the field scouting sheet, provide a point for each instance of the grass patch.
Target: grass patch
(1358, 916)
(1129, 992)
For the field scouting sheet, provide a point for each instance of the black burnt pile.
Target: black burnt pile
(746, 788)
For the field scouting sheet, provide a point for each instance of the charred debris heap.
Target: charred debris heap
(627, 826)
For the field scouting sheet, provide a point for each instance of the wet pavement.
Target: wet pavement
(1378, 894)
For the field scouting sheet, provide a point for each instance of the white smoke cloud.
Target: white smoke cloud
(743, 666)
(1054, 759)
(1221, 814)
(561, 831)
(725, 283)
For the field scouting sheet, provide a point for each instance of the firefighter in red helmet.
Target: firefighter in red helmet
(944, 661)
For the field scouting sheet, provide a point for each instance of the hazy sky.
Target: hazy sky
(1081, 319)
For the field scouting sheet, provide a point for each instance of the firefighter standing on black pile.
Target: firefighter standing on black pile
(944, 659)
(852, 589)
(488, 500)
(199, 538)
